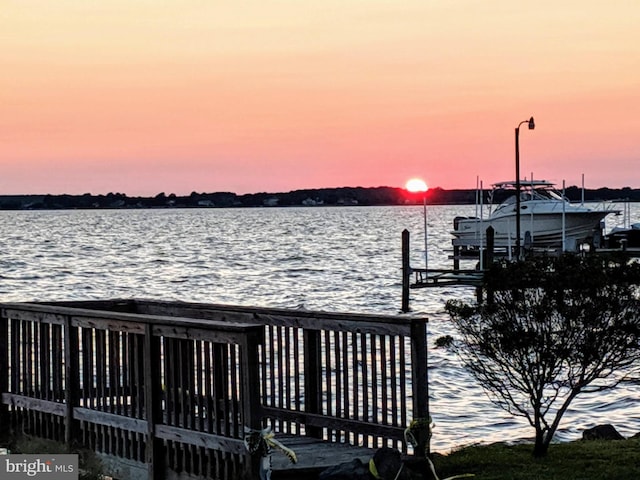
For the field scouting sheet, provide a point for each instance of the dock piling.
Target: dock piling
(406, 271)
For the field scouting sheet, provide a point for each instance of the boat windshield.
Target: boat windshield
(538, 194)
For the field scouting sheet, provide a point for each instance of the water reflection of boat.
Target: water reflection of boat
(547, 220)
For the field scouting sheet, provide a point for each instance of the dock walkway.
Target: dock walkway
(314, 455)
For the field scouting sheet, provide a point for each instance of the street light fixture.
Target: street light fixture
(531, 126)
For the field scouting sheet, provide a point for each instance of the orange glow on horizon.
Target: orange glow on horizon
(180, 96)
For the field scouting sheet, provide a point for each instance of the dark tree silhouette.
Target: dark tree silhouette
(549, 330)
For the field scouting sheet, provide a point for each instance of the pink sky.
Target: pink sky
(175, 96)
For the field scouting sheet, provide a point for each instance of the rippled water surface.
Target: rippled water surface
(344, 259)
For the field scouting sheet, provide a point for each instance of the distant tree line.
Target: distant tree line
(308, 197)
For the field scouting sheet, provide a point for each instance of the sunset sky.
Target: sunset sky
(175, 96)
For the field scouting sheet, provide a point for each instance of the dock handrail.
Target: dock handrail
(359, 378)
(133, 388)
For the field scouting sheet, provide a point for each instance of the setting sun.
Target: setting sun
(416, 185)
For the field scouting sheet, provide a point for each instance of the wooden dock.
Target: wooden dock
(441, 278)
(164, 390)
(314, 456)
(435, 278)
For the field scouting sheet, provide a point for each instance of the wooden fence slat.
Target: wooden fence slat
(72, 380)
(44, 363)
(312, 376)
(5, 368)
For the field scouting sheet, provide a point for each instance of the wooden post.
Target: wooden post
(252, 402)
(72, 380)
(4, 368)
(420, 380)
(406, 271)
(490, 256)
(456, 257)
(312, 378)
(250, 395)
(153, 405)
(491, 243)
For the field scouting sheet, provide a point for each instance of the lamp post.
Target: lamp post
(531, 125)
(416, 185)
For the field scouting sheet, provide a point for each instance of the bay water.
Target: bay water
(338, 259)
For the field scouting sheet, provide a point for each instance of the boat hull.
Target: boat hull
(542, 230)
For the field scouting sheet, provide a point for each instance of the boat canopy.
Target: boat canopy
(524, 183)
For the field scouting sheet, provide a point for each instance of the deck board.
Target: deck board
(314, 455)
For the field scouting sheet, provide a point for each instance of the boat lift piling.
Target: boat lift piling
(433, 277)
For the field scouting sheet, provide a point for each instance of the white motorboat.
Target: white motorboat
(547, 220)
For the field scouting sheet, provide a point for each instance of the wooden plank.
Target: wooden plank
(15, 355)
(199, 382)
(365, 376)
(55, 313)
(297, 343)
(234, 417)
(111, 420)
(101, 368)
(315, 455)
(57, 342)
(44, 363)
(356, 383)
(338, 373)
(27, 362)
(72, 383)
(345, 367)
(177, 313)
(279, 365)
(404, 394)
(356, 426)
(250, 380)
(219, 393)
(420, 375)
(36, 404)
(4, 368)
(153, 405)
(123, 468)
(394, 379)
(200, 439)
(272, 331)
(326, 376)
(18, 313)
(113, 305)
(87, 369)
(315, 320)
(373, 362)
(109, 324)
(210, 334)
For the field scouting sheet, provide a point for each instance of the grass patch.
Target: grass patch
(581, 460)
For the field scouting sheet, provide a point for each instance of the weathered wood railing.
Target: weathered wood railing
(157, 397)
(164, 389)
(342, 377)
